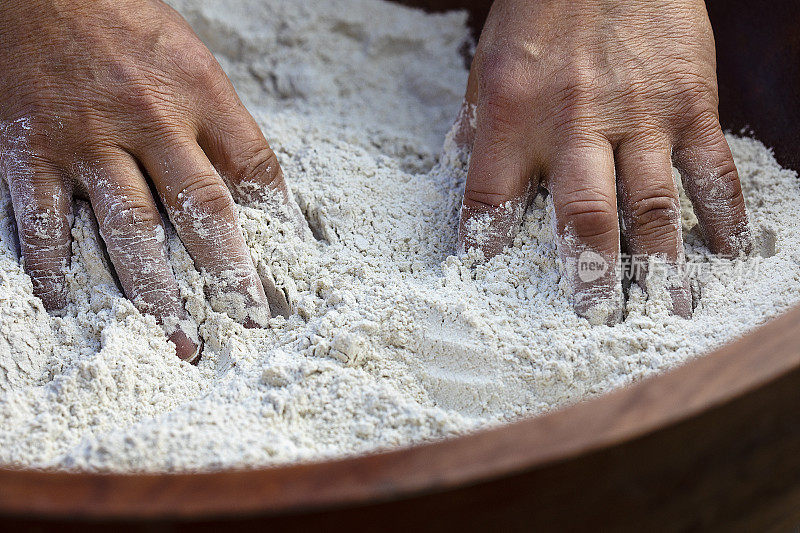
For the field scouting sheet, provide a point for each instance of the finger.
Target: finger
(236, 147)
(43, 209)
(498, 182)
(205, 217)
(711, 181)
(648, 201)
(461, 136)
(463, 132)
(130, 225)
(582, 183)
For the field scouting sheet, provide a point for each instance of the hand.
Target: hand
(593, 99)
(100, 98)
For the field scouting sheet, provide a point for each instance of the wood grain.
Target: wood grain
(712, 442)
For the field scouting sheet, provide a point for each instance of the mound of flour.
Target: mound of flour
(393, 338)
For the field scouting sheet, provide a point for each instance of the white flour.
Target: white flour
(393, 340)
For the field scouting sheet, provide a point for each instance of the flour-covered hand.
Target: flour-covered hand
(103, 99)
(595, 99)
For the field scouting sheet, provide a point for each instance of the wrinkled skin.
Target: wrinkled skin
(99, 99)
(594, 99)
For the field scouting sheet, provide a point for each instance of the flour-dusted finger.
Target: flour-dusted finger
(498, 182)
(711, 181)
(236, 147)
(648, 201)
(465, 125)
(42, 203)
(130, 226)
(582, 183)
(206, 218)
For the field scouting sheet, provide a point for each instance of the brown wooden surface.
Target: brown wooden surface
(714, 444)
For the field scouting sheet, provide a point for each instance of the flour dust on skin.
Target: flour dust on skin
(391, 337)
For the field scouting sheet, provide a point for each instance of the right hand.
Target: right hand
(101, 98)
(595, 99)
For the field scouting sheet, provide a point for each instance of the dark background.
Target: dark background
(758, 61)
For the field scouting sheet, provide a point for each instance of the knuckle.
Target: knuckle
(123, 73)
(197, 63)
(261, 166)
(589, 215)
(137, 87)
(151, 107)
(698, 101)
(477, 197)
(128, 216)
(579, 88)
(693, 86)
(703, 125)
(206, 195)
(503, 91)
(575, 104)
(655, 212)
(39, 225)
(498, 112)
(700, 118)
(154, 105)
(727, 189)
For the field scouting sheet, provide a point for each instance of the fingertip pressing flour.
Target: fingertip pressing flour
(393, 338)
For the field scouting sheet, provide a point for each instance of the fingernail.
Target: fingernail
(599, 305)
(655, 275)
(279, 304)
(239, 293)
(681, 300)
(595, 283)
(185, 348)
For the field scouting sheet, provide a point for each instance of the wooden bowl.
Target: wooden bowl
(715, 443)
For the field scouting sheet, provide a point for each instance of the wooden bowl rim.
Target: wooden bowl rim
(648, 407)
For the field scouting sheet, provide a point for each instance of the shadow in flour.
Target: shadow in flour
(456, 367)
(8, 211)
(764, 247)
(316, 219)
